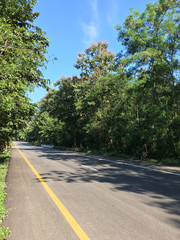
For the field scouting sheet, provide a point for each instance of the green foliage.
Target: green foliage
(4, 233)
(95, 61)
(152, 46)
(44, 129)
(22, 54)
(91, 87)
(4, 159)
(128, 104)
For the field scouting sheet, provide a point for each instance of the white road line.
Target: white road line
(134, 165)
(85, 166)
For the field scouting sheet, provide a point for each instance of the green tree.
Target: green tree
(152, 43)
(128, 103)
(22, 55)
(61, 105)
(44, 129)
(94, 65)
(95, 61)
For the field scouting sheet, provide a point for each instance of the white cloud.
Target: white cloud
(94, 6)
(112, 16)
(90, 32)
(91, 29)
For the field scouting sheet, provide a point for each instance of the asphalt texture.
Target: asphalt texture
(110, 198)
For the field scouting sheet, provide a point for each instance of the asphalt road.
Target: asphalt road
(108, 199)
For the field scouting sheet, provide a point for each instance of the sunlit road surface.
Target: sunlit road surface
(57, 194)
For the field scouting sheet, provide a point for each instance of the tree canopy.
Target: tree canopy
(128, 102)
(22, 55)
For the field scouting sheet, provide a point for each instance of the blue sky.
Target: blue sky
(72, 25)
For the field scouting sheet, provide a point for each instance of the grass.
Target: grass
(4, 160)
(166, 161)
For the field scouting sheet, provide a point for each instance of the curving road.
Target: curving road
(56, 195)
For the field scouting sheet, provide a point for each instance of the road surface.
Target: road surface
(56, 195)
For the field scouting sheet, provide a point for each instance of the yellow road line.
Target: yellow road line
(75, 226)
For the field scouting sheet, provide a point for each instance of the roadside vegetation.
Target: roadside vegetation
(126, 103)
(22, 56)
(4, 160)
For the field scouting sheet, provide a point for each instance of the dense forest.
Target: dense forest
(126, 102)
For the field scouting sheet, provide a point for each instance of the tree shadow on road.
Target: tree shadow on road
(164, 189)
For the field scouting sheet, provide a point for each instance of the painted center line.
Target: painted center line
(75, 226)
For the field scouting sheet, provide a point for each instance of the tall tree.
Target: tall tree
(130, 105)
(61, 105)
(152, 43)
(94, 64)
(22, 54)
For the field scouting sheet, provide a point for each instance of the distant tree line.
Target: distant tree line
(22, 54)
(129, 102)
